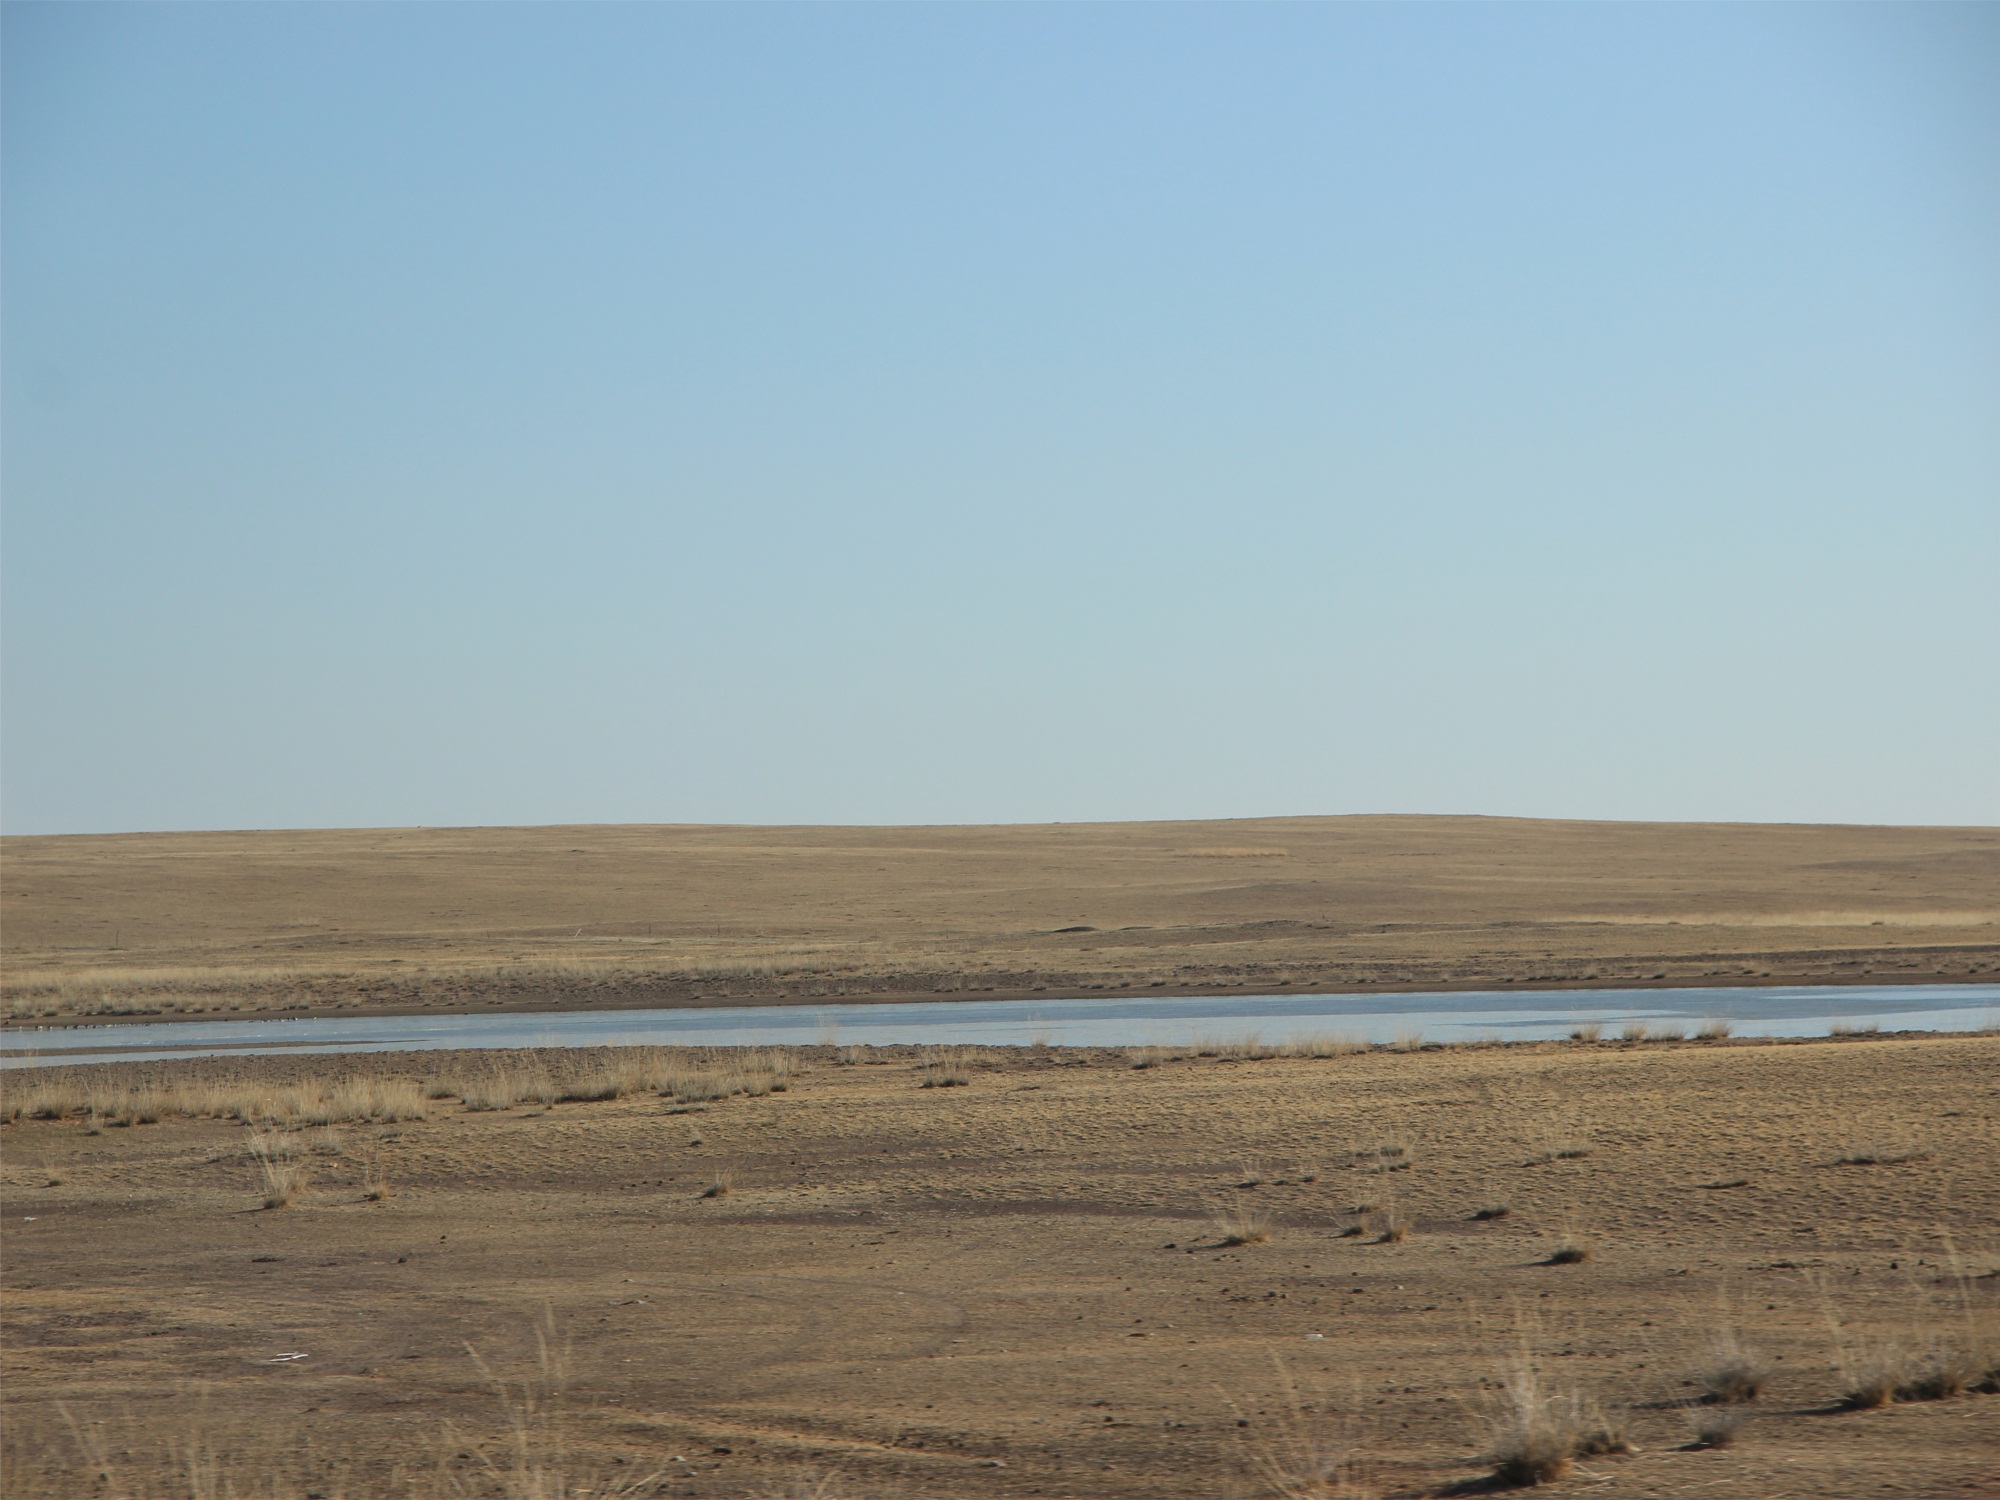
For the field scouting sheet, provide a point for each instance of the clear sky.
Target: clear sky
(464, 414)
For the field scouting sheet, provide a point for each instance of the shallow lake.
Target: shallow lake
(1120, 1021)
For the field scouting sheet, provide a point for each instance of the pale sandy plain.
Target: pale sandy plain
(317, 922)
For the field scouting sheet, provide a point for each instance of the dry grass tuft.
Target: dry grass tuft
(1242, 1226)
(374, 1183)
(1250, 1047)
(1937, 1374)
(1534, 1430)
(1632, 1031)
(1869, 1382)
(1560, 1140)
(1729, 1372)
(1600, 1435)
(1392, 1155)
(1571, 1250)
(1323, 1044)
(1491, 1211)
(720, 1187)
(1718, 1429)
(1299, 1457)
(536, 1457)
(1879, 1154)
(1590, 1031)
(946, 1068)
(1149, 1057)
(1714, 1029)
(284, 1176)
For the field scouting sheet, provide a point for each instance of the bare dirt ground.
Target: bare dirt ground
(402, 919)
(1018, 1287)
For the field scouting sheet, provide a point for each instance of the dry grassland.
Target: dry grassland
(539, 1275)
(547, 917)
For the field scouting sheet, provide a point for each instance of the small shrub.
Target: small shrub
(1600, 1435)
(1492, 1211)
(720, 1187)
(1571, 1252)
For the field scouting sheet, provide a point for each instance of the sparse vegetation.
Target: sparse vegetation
(1879, 1154)
(1730, 1372)
(1323, 1044)
(374, 1182)
(1533, 1429)
(1303, 1456)
(1713, 1030)
(946, 1068)
(1242, 1225)
(1717, 1429)
(867, 1175)
(284, 1176)
(1571, 1249)
(1590, 1031)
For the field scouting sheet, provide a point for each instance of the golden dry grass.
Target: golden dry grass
(312, 921)
(1013, 1287)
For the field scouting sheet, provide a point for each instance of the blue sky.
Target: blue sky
(507, 414)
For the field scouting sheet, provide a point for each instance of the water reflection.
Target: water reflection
(1136, 1020)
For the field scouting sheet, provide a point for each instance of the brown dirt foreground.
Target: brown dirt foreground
(1017, 1287)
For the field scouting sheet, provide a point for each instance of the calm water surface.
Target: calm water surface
(1134, 1020)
